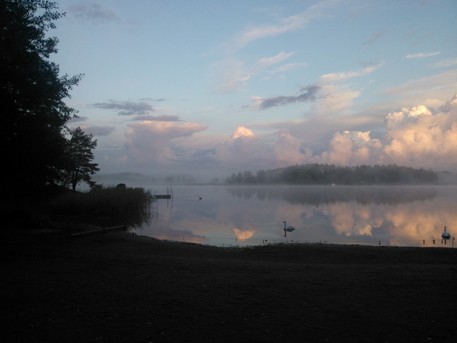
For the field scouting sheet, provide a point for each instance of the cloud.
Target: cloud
(99, 130)
(327, 97)
(433, 86)
(422, 55)
(126, 108)
(288, 67)
(337, 96)
(78, 119)
(164, 117)
(288, 150)
(374, 37)
(151, 142)
(92, 12)
(286, 24)
(268, 61)
(351, 148)
(350, 220)
(243, 151)
(450, 62)
(242, 235)
(332, 77)
(419, 136)
(415, 136)
(233, 74)
(448, 106)
(335, 99)
(242, 131)
(154, 99)
(306, 94)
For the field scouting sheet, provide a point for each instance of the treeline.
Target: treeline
(310, 174)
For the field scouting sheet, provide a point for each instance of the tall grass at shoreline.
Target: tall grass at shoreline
(104, 206)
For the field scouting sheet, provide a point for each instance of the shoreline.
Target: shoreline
(118, 287)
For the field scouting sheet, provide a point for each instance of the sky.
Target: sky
(209, 88)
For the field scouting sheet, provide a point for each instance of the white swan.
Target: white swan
(287, 228)
(445, 235)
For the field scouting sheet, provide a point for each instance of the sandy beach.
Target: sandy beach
(116, 287)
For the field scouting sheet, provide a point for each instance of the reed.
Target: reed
(104, 206)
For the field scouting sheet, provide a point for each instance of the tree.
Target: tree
(80, 156)
(32, 93)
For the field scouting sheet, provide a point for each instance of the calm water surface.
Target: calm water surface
(253, 215)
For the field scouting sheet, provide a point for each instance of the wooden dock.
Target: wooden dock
(161, 196)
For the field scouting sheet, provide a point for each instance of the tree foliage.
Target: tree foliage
(79, 158)
(32, 94)
(329, 174)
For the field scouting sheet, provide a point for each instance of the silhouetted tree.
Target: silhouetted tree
(32, 93)
(79, 158)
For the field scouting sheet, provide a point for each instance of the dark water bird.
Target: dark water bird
(445, 235)
(287, 228)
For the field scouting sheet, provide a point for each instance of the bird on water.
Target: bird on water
(287, 228)
(445, 235)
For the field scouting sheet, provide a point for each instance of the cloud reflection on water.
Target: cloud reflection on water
(242, 235)
(236, 215)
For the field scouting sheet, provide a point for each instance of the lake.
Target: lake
(222, 215)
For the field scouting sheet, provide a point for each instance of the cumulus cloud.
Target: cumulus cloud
(421, 137)
(351, 148)
(126, 108)
(92, 12)
(288, 150)
(306, 94)
(415, 136)
(418, 136)
(151, 142)
(243, 151)
(242, 131)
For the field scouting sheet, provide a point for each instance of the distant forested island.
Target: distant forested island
(326, 174)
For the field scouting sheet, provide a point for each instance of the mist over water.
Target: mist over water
(253, 215)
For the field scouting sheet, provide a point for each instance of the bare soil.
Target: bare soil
(116, 287)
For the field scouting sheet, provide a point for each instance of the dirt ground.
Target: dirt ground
(116, 287)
